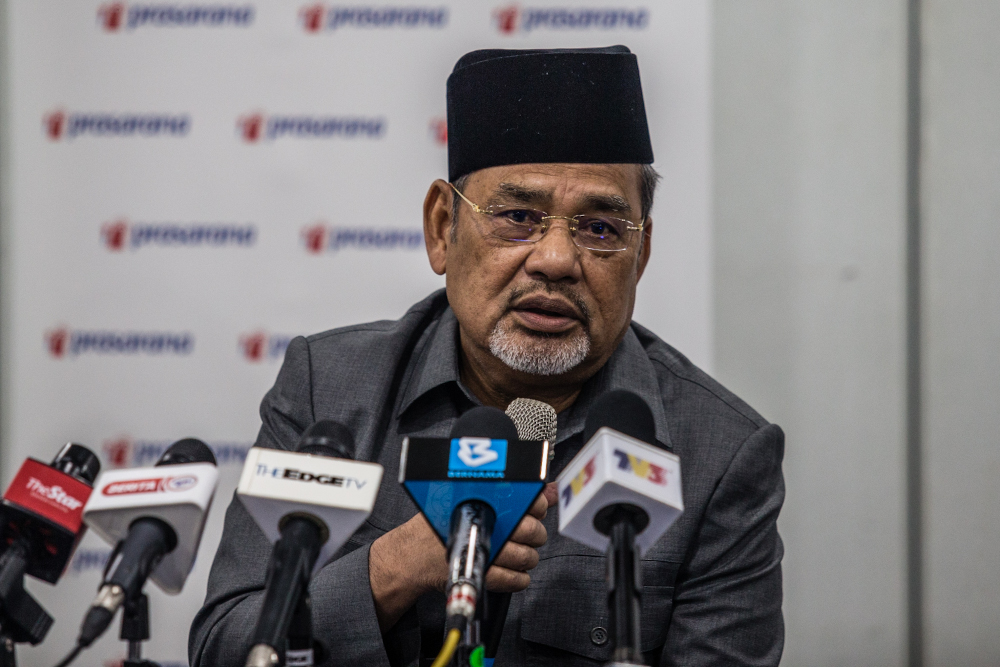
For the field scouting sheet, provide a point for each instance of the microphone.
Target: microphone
(472, 521)
(42, 524)
(618, 495)
(154, 517)
(534, 420)
(474, 488)
(309, 502)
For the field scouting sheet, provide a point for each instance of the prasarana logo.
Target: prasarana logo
(510, 19)
(318, 17)
(121, 234)
(320, 237)
(258, 127)
(438, 128)
(60, 124)
(117, 16)
(259, 345)
(64, 342)
(124, 451)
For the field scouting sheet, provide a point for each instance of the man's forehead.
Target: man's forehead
(609, 183)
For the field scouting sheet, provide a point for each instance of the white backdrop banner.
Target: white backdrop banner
(188, 186)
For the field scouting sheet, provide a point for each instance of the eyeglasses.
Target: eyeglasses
(526, 225)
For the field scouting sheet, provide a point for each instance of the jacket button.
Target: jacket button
(599, 636)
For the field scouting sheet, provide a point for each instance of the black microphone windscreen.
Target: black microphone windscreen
(327, 438)
(623, 411)
(78, 461)
(188, 450)
(485, 422)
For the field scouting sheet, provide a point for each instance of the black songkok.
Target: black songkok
(555, 105)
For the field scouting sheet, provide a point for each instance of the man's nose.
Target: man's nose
(555, 256)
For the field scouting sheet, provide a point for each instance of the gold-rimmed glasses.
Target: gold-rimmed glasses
(518, 224)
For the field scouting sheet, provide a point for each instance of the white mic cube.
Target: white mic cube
(339, 492)
(179, 495)
(613, 468)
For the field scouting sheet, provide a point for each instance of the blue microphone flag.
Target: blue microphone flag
(440, 474)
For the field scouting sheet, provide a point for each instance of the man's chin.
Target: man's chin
(538, 352)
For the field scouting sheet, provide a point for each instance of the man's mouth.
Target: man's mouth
(546, 315)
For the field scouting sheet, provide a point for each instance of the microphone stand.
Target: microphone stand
(22, 619)
(135, 629)
(622, 522)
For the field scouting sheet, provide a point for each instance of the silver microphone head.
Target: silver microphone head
(535, 420)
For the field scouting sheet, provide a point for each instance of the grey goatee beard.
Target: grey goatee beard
(538, 355)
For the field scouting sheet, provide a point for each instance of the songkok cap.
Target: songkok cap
(509, 106)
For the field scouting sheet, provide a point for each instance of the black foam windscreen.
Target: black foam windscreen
(188, 450)
(327, 438)
(485, 422)
(78, 461)
(623, 411)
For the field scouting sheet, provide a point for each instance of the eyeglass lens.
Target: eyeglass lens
(593, 232)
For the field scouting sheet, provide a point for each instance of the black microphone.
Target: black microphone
(149, 539)
(285, 613)
(620, 492)
(472, 523)
(473, 487)
(41, 518)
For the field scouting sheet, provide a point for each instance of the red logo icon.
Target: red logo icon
(54, 124)
(439, 131)
(111, 15)
(118, 452)
(315, 238)
(253, 345)
(56, 341)
(507, 19)
(251, 127)
(114, 234)
(312, 17)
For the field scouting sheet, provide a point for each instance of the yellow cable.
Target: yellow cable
(448, 649)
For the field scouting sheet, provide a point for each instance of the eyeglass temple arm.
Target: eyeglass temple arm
(467, 200)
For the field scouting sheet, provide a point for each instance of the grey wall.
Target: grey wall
(809, 135)
(961, 203)
(809, 174)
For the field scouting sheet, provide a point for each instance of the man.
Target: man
(542, 235)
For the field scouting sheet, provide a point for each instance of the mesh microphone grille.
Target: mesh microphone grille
(535, 420)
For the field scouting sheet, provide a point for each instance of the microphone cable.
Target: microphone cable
(444, 656)
(71, 657)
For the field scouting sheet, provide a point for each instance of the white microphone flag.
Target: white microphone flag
(339, 492)
(614, 468)
(179, 495)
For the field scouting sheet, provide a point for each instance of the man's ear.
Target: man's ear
(437, 224)
(645, 247)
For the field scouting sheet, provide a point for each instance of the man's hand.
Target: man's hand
(509, 572)
(409, 561)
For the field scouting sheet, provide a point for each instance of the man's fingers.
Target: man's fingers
(540, 507)
(551, 493)
(516, 556)
(502, 580)
(531, 532)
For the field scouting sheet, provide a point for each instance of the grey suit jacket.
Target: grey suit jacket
(711, 585)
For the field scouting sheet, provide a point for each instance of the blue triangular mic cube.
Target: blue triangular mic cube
(440, 474)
